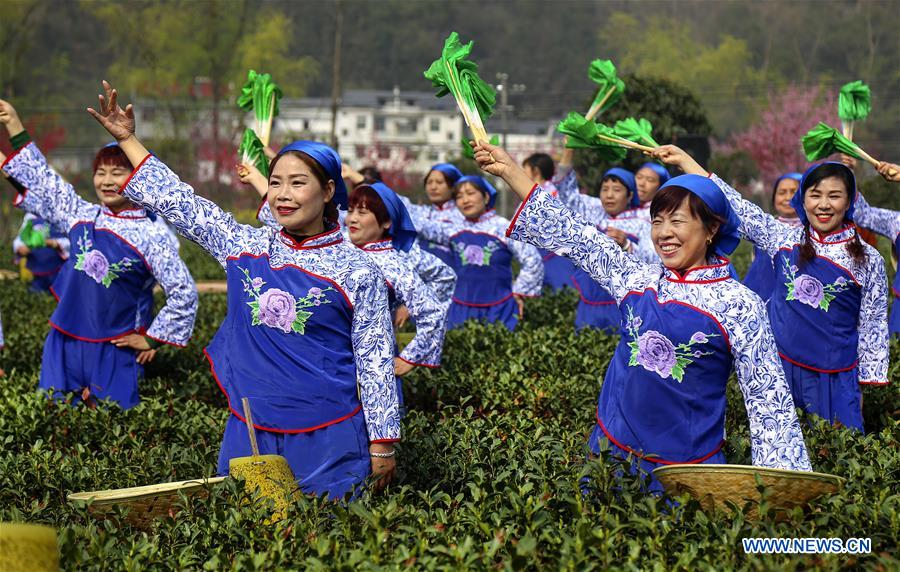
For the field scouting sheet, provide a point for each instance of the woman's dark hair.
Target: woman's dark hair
(365, 197)
(775, 188)
(331, 210)
(668, 200)
(855, 247)
(370, 175)
(112, 156)
(619, 180)
(542, 162)
(441, 173)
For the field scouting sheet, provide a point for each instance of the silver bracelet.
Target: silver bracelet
(383, 455)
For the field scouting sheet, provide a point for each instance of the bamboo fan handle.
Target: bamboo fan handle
(595, 109)
(250, 429)
(868, 158)
(627, 143)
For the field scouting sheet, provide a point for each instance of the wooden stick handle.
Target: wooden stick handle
(627, 143)
(874, 162)
(595, 109)
(250, 429)
(267, 132)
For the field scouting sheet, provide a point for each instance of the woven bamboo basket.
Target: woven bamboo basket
(146, 503)
(714, 485)
(28, 548)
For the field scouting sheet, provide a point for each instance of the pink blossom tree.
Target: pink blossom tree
(773, 141)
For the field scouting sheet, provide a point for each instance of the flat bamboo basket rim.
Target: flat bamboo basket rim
(112, 496)
(739, 470)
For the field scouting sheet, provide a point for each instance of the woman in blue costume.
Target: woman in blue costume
(439, 184)
(379, 224)
(760, 276)
(483, 258)
(829, 306)
(558, 270)
(686, 324)
(103, 328)
(307, 334)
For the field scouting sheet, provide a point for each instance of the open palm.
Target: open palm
(119, 122)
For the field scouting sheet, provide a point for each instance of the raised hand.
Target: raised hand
(117, 121)
(673, 155)
(889, 171)
(10, 119)
(250, 175)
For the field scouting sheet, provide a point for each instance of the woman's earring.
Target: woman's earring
(709, 240)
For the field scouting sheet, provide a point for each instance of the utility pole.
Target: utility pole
(336, 72)
(503, 89)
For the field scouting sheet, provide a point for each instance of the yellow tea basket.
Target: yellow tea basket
(147, 502)
(28, 548)
(714, 485)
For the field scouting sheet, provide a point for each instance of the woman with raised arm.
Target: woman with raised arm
(307, 336)
(686, 325)
(439, 184)
(648, 179)
(103, 328)
(483, 258)
(760, 276)
(829, 305)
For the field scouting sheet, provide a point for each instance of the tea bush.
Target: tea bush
(491, 469)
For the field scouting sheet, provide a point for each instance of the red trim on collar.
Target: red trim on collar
(844, 227)
(441, 207)
(686, 305)
(651, 459)
(830, 261)
(515, 218)
(682, 278)
(300, 268)
(134, 172)
(292, 242)
(108, 212)
(366, 246)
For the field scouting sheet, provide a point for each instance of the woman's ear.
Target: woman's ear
(329, 190)
(715, 229)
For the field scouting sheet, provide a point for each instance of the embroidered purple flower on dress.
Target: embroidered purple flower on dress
(95, 265)
(257, 283)
(698, 338)
(656, 353)
(277, 309)
(809, 290)
(840, 281)
(473, 255)
(314, 292)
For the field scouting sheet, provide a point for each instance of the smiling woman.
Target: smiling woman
(311, 307)
(829, 305)
(686, 324)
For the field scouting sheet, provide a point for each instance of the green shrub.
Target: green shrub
(490, 474)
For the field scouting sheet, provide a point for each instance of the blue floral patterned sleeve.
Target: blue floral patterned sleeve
(545, 222)
(428, 313)
(873, 347)
(437, 275)
(373, 350)
(757, 226)
(775, 435)
(156, 187)
(49, 195)
(883, 221)
(174, 323)
(530, 279)
(435, 230)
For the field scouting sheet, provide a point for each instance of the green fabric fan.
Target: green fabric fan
(33, 238)
(583, 133)
(261, 95)
(635, 130)
(823, 141)
(609, 87)
(467, 150)
(454, 73)
(252, 153)
(854, 104)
